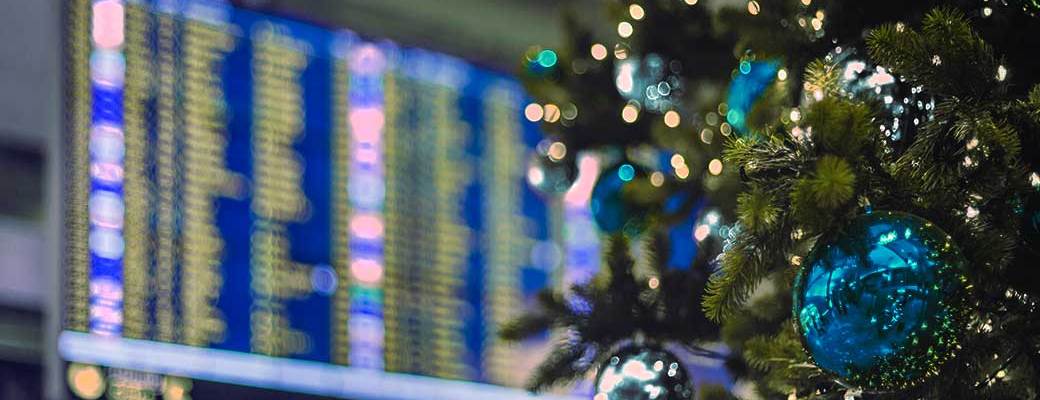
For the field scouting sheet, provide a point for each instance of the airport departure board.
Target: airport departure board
(265, 202)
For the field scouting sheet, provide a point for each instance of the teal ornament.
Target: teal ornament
(882, 305)
(642, 372)
(901, 108)
(747, 86)
(651, 81)
(612, 208)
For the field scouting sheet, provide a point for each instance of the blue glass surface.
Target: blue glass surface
(611, 210)
(745, 89)
(879, 305)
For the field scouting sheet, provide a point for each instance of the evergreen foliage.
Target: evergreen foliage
(967, 169)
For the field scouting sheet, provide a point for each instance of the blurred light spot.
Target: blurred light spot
(707, 135)
(570, 111)
(624, 29)
(620, 51)
(598, 51)
(691, 2)
(986, 11)
(712, 217)
(971, 212)
(626, 172)
(533, 112)
(1001, 73)
(654, 283)
(535, 176)
(367, 124)
(796, 115)
(107, 24)
(715, 167)
(106, 243)
(657, 179)
(552, 113)
(366, 226)
(677, 160)
(624, 80)
(86, 381)
(682, 172)
(630, 113)
(1034, 180)
(366, 271)
(753, 7)
(701, 232)
(557, 151)
(671, 118)
(745, 67)
(547, 58)
(781, 74)
(817, 24)
(323, 279)
(636, 11)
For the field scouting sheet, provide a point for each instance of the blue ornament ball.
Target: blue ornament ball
(612, 209)
(748, 85)
(901, 107)
(551, 169)
(642, 372)
(882, 305)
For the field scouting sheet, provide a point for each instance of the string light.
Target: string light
(599, 51)
(1001, 73)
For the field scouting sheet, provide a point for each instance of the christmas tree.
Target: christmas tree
(876, 171)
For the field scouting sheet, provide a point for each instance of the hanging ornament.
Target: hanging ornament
(882, 305)
(651, 81)
(750, 82)
(550, 168)
(612, 208)
(902, 108)
(641, 372)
